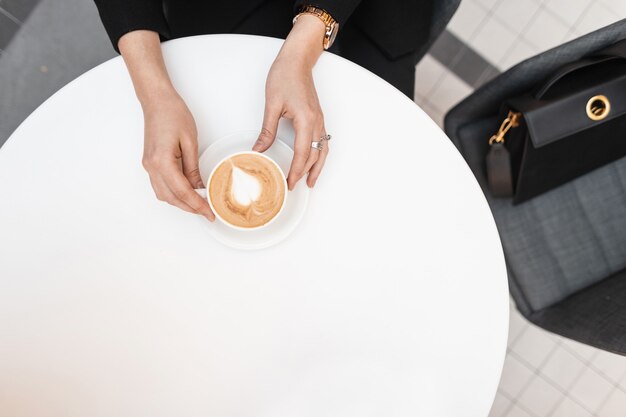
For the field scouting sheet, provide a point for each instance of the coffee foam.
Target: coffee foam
(247, 190)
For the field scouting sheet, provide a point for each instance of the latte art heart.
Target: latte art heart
(247, 190)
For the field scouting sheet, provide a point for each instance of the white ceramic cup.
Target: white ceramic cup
(207, 194)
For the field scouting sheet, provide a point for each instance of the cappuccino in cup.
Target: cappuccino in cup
(247, 190)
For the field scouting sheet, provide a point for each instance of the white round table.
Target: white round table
(389, 299)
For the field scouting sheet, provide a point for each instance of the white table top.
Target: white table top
(390, 298)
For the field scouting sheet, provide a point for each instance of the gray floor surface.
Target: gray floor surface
(60, 40)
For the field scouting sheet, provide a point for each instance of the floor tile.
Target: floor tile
(515, 14)
(467, 19)
(449, 92)
(540, 397)
(472, 67)
(583, 352)
(428, 74)
(515, 376)
(615, 406)
(433, 112)
(567, 10)
(612, 366)
(488, 4)
(591, 390)
(501, 404)
(622, 385)
(8, 29)
(520, 51)
(568, 408)
(517, 324)
(463, 61)
(517, 411)
(493, 40)
(418, 100)
(562, 368)
(534, 345)
(595, 17)
(545, 31)
(570, 36)
(19, 8)
(446, 48)
(617, 7)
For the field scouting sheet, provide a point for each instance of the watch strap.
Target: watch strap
(331, 24)
(324, 16)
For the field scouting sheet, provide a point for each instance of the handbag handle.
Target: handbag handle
(615, 51)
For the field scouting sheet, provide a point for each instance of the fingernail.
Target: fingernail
(257, 145)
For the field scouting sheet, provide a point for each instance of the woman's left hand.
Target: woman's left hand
(290, 93)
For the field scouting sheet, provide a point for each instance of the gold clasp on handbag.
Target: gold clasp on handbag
(512, 120)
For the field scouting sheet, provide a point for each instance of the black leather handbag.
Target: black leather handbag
(572, 124)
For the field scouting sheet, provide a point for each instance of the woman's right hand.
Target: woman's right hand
(170, 154)
(170, 139)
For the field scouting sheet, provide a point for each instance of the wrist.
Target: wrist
(154, 94)
(141, 50)
(304, 45)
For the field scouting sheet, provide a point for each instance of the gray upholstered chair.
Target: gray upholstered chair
(566, 249)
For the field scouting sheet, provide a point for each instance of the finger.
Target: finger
(182, 189)
(189, 151)
(268, 131)
(302, 149)
(164, 193)
(315, 171)
(314, 153)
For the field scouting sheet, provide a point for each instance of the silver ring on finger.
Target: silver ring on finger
(326, 137)
(319, 145)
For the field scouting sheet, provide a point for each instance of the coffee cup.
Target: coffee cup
(247, 190)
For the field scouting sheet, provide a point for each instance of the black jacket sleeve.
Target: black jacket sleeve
(340, 10)
(122, 16)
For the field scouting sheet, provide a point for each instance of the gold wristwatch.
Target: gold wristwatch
(332, 27)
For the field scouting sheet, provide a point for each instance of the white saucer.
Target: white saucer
(287, 220)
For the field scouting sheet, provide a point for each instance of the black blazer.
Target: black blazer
(398, 27)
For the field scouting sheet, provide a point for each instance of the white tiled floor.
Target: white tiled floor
(615, 406)
(494, 27)
(544, 375)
